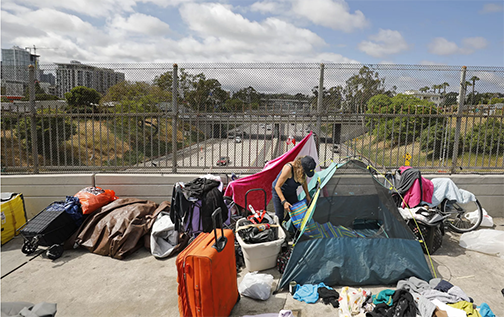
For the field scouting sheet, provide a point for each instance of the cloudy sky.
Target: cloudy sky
(395, 32)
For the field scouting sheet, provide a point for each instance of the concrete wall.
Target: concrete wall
(40, 190)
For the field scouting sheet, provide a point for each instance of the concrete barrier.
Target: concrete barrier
(40, 190)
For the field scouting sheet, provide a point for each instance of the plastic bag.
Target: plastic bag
(255, 235)
(487, 220)
(92, 198)
(256, 286)
(484, 240)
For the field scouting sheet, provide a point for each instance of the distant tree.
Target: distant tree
(445, 84)
(473, 79)
(493, 101)
(449, 99)
(40, 94)
(398, 129)
(361, 87)
(424, 89)
(127, 90)
(82, 99)
(200, 93)
(51, 132)
(486, 137)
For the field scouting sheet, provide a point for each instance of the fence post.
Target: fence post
(459, 118)
(174, 116)
(320, 101)
(33, 110)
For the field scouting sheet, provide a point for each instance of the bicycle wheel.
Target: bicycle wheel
(457, 215)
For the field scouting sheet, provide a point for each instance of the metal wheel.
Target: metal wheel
(457, 215)
(29, 246)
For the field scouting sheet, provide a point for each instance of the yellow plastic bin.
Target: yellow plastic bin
(13, 215)
(260, 256)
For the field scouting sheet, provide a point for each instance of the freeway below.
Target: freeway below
(246, 156)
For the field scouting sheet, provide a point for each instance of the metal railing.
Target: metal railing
(234, 117)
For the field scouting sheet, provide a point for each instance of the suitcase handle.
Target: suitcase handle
(253, 190)
(221, 242)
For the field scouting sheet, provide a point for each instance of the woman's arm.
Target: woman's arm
(286, 171)
(305, 188)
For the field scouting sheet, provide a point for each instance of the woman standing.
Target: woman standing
(285, 185)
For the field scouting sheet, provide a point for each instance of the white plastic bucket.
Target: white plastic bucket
(260, 256)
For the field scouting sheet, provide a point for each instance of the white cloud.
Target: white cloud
(424, 62)
(217, 23)
(213, 33)
(386, 42)
(140, 23)
(491, 8)
(94, 8)
(476, 43)
(441, 46)
(329, 13)
(266, 7)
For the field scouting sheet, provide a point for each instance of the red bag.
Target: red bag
(92, 198)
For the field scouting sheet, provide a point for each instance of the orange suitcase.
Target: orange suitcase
(206, 274)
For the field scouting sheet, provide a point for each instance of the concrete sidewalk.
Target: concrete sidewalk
(87, 285)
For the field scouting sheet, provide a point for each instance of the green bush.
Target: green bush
(486, 137)
(399, 130)
(436, 140)
(51, 132)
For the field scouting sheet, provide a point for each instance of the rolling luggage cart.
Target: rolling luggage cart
(50, 228)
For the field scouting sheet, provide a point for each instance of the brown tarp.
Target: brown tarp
(119, 227)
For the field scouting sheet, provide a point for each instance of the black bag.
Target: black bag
(433, 235)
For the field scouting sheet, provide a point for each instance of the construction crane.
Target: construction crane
(38, 48)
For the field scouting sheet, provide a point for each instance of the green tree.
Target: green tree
(51, 133)
(399, 130)
(82, 99)
(127, 90)
(444, 85)
(40, 94)
(495, 100)
(486, 137)
(424, 89)
(436, 141)
(473, 80)
(200, 93)
(361, 87)
(449, 99)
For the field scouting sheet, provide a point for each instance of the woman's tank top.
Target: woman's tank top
(290, 186)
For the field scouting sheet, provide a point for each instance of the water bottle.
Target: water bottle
(263, 226)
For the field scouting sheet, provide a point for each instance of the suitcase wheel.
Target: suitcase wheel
(55, 251)
(29, 246)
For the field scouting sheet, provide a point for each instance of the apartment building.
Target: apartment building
(73, 74)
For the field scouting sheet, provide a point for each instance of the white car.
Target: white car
(238, 139)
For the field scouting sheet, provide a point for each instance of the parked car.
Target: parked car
(336, 148)
(238, 139)
(223, 161)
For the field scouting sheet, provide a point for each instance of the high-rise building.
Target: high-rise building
(15, 62)
(73, 74)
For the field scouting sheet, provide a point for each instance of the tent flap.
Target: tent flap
(355, 261)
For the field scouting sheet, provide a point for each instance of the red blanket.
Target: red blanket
(263, 179)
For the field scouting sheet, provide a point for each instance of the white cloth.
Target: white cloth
(163, 236)
(446, 188)
(450, 311)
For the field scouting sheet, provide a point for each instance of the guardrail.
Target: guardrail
(148, 129)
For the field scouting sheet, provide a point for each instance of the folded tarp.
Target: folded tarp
(117, 229)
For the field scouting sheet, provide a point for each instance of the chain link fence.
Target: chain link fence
(235, 117)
